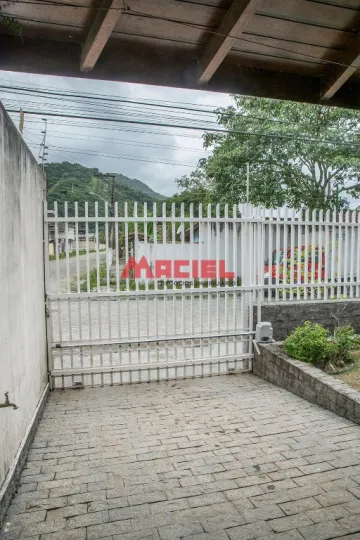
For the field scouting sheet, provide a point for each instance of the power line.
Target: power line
(91, 110)
(107, 99)
(155, 101)
(116, 129)
(96, 97)
(122, 141)
(130, 157)
(197, 128)
(145, 114)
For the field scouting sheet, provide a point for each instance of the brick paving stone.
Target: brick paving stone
(249, 531)
(45, 527)
(75, 534)
(288, 535)
(37, 537)
(335, 512)
(177, 531)
(95, 532)
(335, 497)
(151, 497)
(169, 506)
(205, 500)
(129, 512)
(218, 535)
(28, 518)
(290, 522)
(323, 531)
(144, 534)
(347, 537)
(353, 507)
(351, 523)
(263, 513)
(84, 520)
(301, 505)
(200, 459)
(220, 522)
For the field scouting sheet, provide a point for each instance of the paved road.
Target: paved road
(222, 458)
(72, 270)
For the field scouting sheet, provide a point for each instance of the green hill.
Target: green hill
(73, 182)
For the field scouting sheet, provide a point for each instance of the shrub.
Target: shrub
(310, 343)
(345, 340)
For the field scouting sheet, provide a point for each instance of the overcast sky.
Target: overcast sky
(75, 141)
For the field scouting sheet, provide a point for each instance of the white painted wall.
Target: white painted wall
(211, 245)
(22, 317)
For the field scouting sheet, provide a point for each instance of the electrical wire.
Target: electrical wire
(124, 100)
(130, 157)
(68, 136)
(141, 100)
(110, 100)
(198, 128)
(116, 128)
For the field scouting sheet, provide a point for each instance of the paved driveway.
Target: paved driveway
(229, 457)
(53, 284)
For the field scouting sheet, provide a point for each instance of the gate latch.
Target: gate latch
(7, 402)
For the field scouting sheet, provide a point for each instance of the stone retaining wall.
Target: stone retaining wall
(273, 365)
(286, 316)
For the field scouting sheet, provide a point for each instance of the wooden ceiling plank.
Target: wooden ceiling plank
(99, 33)
(233, 24)
(342, 74)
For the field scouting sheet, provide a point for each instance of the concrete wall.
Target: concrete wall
(23, 359)
(273, 365)
(286, 316)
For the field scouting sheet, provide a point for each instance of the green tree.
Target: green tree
(291, 159)
(194, 189)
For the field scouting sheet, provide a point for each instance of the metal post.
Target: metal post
(112, 197)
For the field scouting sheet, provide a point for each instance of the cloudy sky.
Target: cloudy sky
(157, 156)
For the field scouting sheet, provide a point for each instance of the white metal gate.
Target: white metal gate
(138, 293)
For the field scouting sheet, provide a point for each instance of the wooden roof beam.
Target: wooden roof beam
(99, 33)
(233, 24)
(341, 74)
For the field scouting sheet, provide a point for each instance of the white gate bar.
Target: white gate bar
(346, 258)
(352, 233)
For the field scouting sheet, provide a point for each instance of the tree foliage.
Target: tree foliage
(72, 182)
(299, 155)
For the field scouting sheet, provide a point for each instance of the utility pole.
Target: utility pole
(42, 152)
(112, 197)
(21, 123)
(112, 211)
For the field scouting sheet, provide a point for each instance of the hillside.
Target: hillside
(73, 182)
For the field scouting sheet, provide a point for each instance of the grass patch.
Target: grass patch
(352, 378)
(73, 254)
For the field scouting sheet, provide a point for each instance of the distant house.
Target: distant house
(65, 238)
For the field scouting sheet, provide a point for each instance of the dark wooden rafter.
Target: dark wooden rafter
(342, 73)
(99, 33)
(292, 50)
(232, 25)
